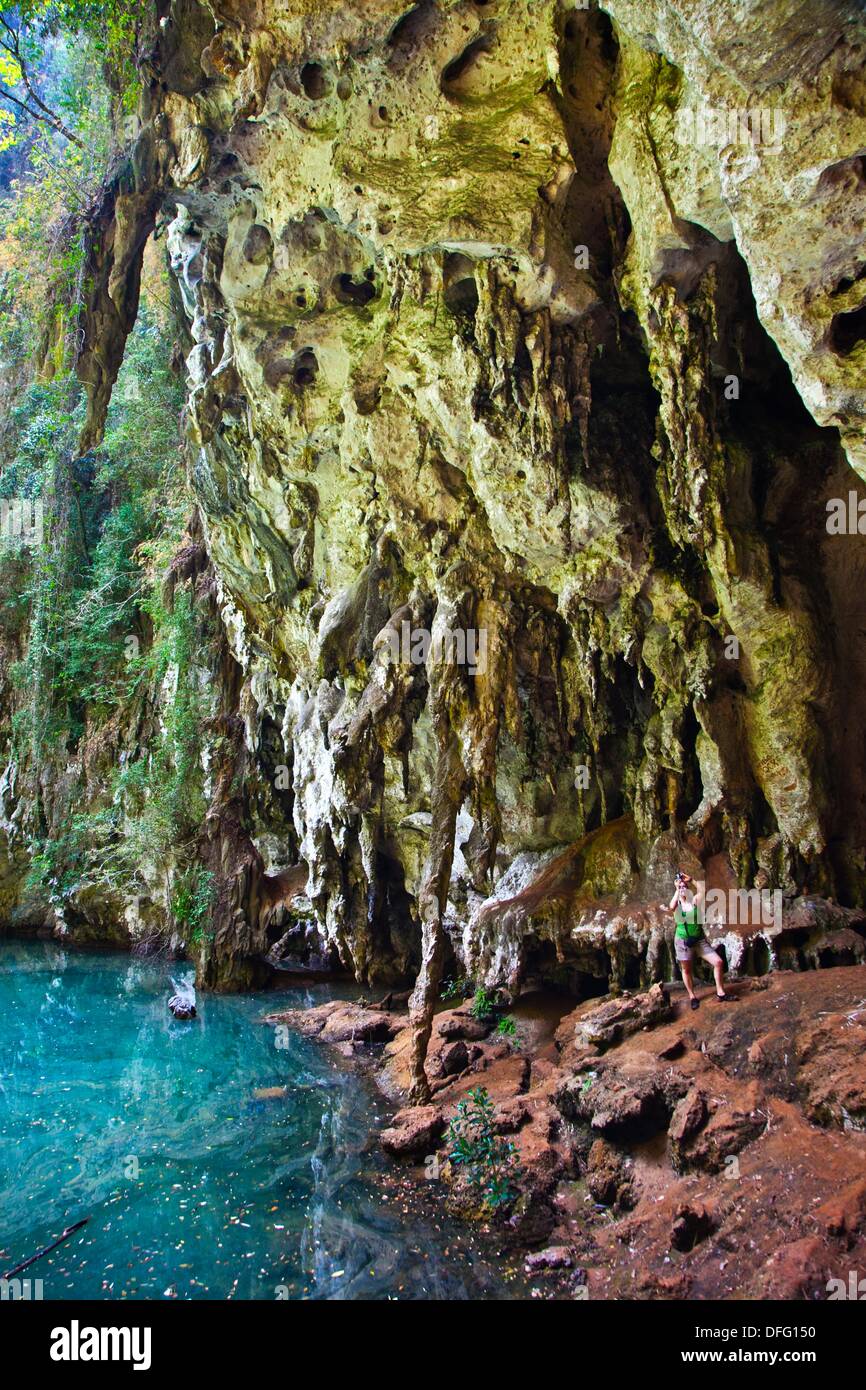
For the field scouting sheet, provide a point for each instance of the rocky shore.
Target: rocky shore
(658, 1152)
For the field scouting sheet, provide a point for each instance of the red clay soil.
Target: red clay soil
(664, 1152)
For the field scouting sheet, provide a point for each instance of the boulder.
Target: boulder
(414, 1131)
(339, 1021)
(454, 1058)
(610, 1022)
(622, 1106)
(460, 1024)
(608, 1178)
(533, 1218)
(729, 1129)
(689, 1114)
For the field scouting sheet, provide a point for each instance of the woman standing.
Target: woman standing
(689, 935)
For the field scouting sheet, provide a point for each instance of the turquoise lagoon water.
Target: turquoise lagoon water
(194, 1188)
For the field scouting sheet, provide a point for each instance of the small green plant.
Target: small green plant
(482, 1004)
(507, 1030)
(488, 1161)
(457, 988)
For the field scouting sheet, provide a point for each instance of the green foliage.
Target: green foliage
(507, 1029)
(457, 988)
(488, 1161)
(87, 593)
(110, 29)
(482, 1004)
(155, 802)
(53, 165)
(14, 572)
(106, 675)
(98, 639)
(60, 861)
(162, 792)
(192, 901)
(7, 130)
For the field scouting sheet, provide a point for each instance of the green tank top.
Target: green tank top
(689, 925)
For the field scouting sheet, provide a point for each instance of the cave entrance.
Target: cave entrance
(544, 970)
(664, 969)
(760, 960)
(631, 974)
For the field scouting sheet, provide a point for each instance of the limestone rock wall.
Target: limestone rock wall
(493, 337)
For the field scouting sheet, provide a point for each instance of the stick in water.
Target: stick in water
(25, 1264)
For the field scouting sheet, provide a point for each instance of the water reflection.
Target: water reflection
(211, 1163)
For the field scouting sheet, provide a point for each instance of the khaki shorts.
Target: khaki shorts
(685, 952)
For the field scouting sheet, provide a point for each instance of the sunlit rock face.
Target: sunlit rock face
(498, 337)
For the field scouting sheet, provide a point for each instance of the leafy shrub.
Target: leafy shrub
(482, 1004)
(487, 1160)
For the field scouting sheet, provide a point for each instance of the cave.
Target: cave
(431, 429)
(304, 368)
(314, 81)
(848, 330)
(460, 293)
(351, 291)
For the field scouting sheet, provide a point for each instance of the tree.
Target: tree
(14, 72)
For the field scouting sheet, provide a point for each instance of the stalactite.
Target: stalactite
(447, 794)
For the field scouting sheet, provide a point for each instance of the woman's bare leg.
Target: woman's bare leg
(686, 970)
